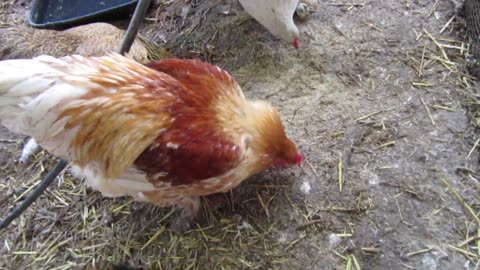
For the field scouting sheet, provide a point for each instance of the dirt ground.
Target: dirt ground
(377, 91)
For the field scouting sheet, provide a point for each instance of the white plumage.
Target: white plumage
(30, 90)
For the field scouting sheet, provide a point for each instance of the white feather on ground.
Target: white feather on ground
(306, 188)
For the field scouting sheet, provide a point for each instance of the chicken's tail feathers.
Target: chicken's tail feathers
(17, 76)
(20, 81)
(27, 77)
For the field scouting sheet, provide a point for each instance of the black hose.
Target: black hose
(134, 25)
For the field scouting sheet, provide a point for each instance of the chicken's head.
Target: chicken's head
(270, 140)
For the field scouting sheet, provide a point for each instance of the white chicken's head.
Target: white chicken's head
(284, 29)
(276, 16)
(290, 34)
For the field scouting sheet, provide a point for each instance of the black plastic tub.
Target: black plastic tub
(61, 14)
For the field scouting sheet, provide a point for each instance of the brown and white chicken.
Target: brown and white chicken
(167, 132)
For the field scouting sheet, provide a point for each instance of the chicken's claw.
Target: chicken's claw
(183, 222)
(304, 11)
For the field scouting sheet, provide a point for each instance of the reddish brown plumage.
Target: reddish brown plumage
(187, 154)
(192, 148)
(197, 145)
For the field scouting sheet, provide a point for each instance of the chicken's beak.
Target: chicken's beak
(296, 44)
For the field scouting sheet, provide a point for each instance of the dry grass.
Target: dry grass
(71, 226)
(440, 54)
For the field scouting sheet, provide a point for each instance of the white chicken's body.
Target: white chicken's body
(276, 16)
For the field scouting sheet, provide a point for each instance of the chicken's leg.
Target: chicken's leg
(305, 9)
(189, 209)
(188, 206)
